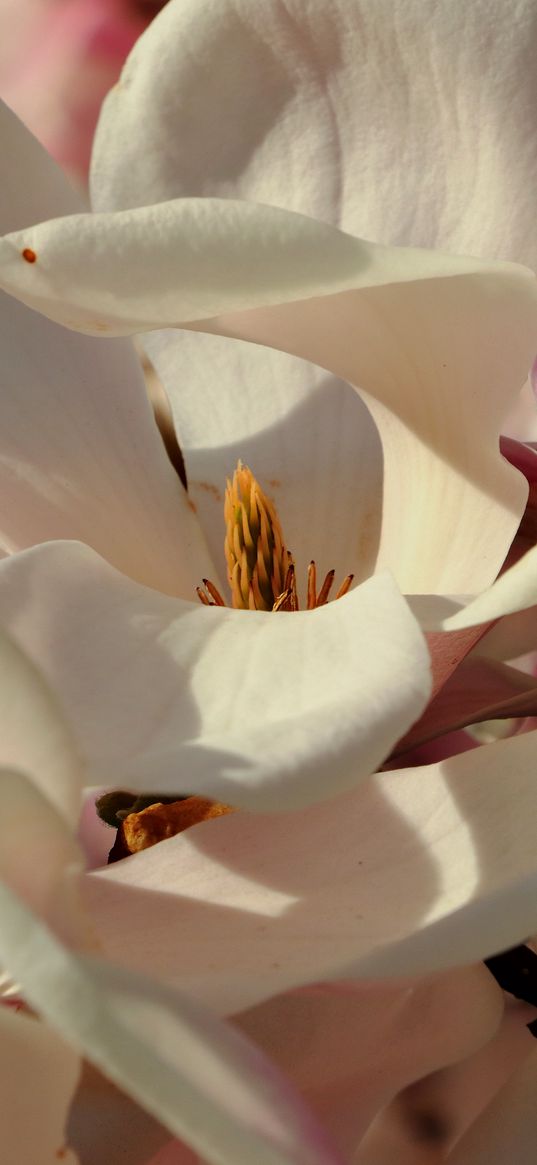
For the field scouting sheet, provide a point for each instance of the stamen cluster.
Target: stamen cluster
(260, 570)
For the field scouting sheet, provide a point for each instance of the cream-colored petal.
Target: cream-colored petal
(198, 1077)
(407, 874)
(397, 127)
(39, 1077)
(410, 329)
(331, 118)
(254, 708)
(34, 736)
(80, 456)
(515, 590)
(39, 858)
(309, 439)
(33, 187)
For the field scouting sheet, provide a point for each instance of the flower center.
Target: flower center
(260, 569)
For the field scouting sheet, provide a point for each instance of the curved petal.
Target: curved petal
(411, 329)
(325, 112)
(507, 1129)
(34, 737)
(251, 707)
(430, 1116)
(201, 1079)
(331, 118)
(479, 689)
(39, 859)
(513, 591)
(309, 439)
(39, 1076)
(411, 874)
(33, 186)
(349, 1050)
(80, 456)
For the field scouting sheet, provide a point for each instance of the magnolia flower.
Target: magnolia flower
(408, 863)
(197, 1076)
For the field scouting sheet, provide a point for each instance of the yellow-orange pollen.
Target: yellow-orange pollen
(260, 570)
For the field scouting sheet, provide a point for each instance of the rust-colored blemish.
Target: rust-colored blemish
(61, 1153)
(274, 482)
(192, 505)
(209, 489)
(29, 255)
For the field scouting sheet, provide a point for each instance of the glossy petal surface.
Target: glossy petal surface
(254, 708)
(411, 874)
(410, 329)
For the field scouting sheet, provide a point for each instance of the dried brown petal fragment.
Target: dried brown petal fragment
(159, 822)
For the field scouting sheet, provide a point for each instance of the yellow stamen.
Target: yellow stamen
(255, 554)
(260, 570)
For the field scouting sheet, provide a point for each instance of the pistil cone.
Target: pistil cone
(158, 822)
(257, 560)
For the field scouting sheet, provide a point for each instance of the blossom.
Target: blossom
(222, 1097)
(121, 653)
(235, 910)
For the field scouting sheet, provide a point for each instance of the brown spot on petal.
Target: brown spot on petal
(192, 505)
(209, 489)
(274, 482)
(29, 255)
(61, 1153)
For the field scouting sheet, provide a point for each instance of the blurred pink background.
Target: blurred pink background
(58, 59)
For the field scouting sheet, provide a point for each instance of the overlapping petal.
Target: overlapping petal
(366, 115)
(411, 874)
(35, 738)
(506, 1130)
(39, 1077)
(80, 456)
(254, 708)
(331, 119)
(198, 1077)
(411, 329)
(351, 1048)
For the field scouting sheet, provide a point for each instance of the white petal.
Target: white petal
(39, 858)
(407, 874)
(80, 456)
(39, 1076)
(254, 708)
(33, 186)
(34, 737)
(308, 438)
(366, 115)
(513, 591)
(198, 1077)
(412, 332)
